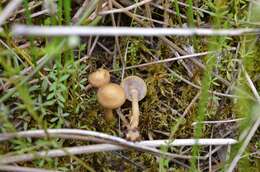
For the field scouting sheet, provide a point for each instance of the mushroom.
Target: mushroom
(111, 96)
(99, 78)
(135, 90)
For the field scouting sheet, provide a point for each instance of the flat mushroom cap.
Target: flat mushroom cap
(111, 96)
(134, 82)
(99, 78)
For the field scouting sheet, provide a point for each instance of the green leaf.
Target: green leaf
(54, 119)
(53, 86)
(63, 87)
(49, 103)
(64, 77)
(60, 97)
(60, 104)
(50, 96)
(45, 85)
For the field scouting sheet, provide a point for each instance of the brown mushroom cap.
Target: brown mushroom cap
(134, 82)
(99, 78)
(111, 96)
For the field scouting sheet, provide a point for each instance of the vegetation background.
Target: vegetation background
(43, 82)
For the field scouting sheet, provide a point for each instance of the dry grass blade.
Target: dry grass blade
(125, 9)
(8, 10)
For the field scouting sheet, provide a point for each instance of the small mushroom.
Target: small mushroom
(135, 90)
(111, 96)
(99, 78)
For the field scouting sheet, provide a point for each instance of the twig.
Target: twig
(19, 30)
(168, 60)
(125, 9)
(93, 46)
(107, 138)
(108, 147)
(80, 11)
(12, 51)
(217, 122)
(42, 12)
(189, 142)
(251, 85)
(104, 47)
(8, 10)
(168, 10)
(191, 104)
(23, 169)
(31, 7)
(142, 168)
(150, 19)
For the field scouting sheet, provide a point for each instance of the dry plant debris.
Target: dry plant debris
(199, 60)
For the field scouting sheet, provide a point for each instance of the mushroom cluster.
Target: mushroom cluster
(112, 96)
(109, 95)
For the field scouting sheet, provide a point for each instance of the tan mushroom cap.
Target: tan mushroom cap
(136, 83)
(99, 78)
(111, 96)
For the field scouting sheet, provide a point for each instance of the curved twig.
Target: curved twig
(144, 146)
(108, 147)
(107, 138)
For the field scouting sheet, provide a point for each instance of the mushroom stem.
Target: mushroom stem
(133, 133)
(109, 116)
(134, 120)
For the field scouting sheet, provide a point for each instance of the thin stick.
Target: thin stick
(169, 60)
(150, 19)
(8, 10)
(80, 11)
(42, 12)
(167, 9)
(23, 169)
(251, 85)
(105, 48)
(125, 9)
(108, 147)
(114, 139)
(191, 104)
(217, 122)
(19, 30)
(107, 138)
